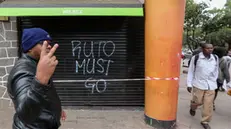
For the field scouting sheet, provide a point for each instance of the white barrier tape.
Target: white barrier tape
(155, 78)
(111, 80)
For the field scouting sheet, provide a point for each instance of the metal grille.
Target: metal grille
(98, 48)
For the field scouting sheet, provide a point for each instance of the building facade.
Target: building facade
(8, 51)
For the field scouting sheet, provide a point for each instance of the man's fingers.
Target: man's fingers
(53, 58)
(53, 49)
(56, 62)
(44, 47)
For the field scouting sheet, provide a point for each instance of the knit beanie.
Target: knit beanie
(33, 36)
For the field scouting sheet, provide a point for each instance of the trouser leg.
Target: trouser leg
(207, 109)
(197, 98)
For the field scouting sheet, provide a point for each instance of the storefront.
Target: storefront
(101, 51)
(101, 48)
(96, 57)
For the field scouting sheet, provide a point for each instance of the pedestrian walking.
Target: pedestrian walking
(223, 74)
(202, 82)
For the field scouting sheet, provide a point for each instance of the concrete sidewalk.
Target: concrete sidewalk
(132, 117)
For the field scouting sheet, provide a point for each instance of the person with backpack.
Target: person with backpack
(202, 82)
(223, 74)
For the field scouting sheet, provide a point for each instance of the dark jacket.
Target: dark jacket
(37, 106)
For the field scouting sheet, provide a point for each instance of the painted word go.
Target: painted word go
(99, 85)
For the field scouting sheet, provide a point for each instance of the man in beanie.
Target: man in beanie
(30, 87)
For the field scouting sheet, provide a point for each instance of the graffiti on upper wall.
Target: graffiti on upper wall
(93, 57)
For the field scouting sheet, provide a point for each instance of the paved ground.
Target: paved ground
(132, 118)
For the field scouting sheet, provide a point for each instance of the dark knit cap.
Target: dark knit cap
(33, 36)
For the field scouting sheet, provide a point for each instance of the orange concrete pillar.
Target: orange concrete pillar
(163, 42)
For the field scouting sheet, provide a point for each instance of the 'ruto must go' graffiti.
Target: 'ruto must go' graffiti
(93, 57)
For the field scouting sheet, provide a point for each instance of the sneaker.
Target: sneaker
(192, 113)
(206, 126)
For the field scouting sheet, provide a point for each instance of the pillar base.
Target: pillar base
(159, 124)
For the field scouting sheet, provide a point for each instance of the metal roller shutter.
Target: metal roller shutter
(96, 57)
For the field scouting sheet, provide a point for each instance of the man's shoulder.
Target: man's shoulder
(195, 55)
(22, 66)
(227, 58)
(198, 55)
(23, 63)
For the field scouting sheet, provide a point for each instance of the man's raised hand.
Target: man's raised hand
(47, 63)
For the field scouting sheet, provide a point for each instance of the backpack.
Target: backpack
(197, 57)
(197, 51)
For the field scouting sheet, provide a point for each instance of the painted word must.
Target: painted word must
(92, 66)
(99, 86)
